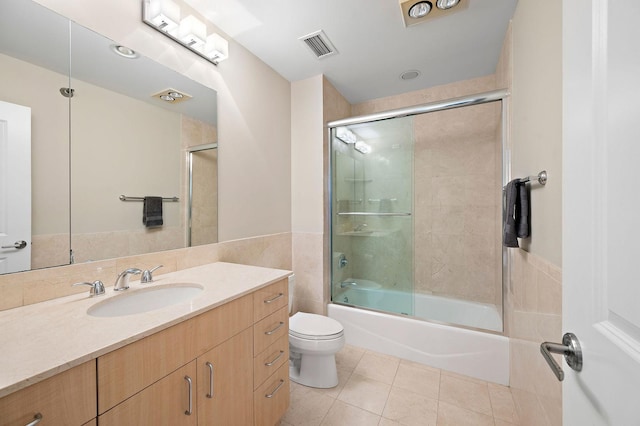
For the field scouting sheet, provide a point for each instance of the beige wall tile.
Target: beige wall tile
(45, 284)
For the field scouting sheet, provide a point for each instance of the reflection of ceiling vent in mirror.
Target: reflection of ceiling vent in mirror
(172, 96)
(319, 44)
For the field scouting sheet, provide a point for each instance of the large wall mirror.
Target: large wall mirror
(83, 123)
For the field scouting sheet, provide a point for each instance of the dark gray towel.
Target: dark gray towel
(522, 211)
(515, 213)
(509, 228)
(152, 212)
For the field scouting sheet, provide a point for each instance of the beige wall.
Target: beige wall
(530, 65)
(306, 155)
(254, 115)
(537, 119)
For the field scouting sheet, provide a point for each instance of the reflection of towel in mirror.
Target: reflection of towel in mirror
(516, 213)
(152, 212)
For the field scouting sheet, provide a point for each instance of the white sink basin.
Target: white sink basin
(144, 300)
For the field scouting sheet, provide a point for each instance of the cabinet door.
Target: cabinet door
(68, 398)
(225, 382)
(166, 402)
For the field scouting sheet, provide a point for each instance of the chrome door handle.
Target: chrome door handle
(571, 350)
(17, 245)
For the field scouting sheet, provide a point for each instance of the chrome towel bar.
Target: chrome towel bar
(127, 198)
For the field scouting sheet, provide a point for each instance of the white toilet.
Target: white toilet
(313, 343)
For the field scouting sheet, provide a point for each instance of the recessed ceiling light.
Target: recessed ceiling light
(124, 51)
(409, 75)
(446, 4)
(420, 9)
(175, 95)
(167, 98)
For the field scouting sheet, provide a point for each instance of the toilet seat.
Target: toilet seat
(314, 327)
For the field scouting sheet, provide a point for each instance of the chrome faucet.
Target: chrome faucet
(122, 282)
(344, 284)
(146, 275)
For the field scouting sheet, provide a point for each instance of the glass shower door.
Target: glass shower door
(372, 223)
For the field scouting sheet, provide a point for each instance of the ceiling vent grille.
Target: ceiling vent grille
(319, 44)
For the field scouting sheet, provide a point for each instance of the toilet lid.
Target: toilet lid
(314, 327)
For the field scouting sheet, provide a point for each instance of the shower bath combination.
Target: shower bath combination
(416, 214)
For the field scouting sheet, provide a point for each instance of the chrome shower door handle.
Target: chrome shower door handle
(17, 245)
(571, 350)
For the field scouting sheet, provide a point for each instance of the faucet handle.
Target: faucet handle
(146, 275)
(97, 288)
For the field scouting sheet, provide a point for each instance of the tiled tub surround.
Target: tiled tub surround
(533, 314)
(45, 339)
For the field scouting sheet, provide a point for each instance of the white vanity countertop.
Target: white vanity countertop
(41, 340)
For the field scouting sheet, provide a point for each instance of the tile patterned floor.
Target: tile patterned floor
(378, 389)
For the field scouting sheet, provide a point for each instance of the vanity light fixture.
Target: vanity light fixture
(345, 135)
(165, 16)
(362, 147)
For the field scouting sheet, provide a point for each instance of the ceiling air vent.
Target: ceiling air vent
(319, 44)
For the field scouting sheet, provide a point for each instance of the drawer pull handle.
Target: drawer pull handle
(190, 383)
(270, 395)
(270, 363)
(273, 299)
(270, 332)
(36, 420)
(210, 394)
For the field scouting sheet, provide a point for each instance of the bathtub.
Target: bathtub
(473, 353)
(426, 306)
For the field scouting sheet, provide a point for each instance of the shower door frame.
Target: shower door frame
(500, 95)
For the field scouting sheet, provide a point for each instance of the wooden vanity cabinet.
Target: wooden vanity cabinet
(144, 382)
(68, 398)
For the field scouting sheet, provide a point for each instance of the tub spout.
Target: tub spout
(344, 284)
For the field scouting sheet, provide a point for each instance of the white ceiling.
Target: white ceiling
(374, 45)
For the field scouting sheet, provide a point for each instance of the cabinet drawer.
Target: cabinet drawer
(269, 360)
(68, 398)
(223, 322)
(166, 402)
(270, 329)
(269, 299)
(271, 399)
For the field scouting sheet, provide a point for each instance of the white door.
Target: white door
(601, 209)
(15, 187)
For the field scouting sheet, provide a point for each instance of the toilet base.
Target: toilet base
(316, 371)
